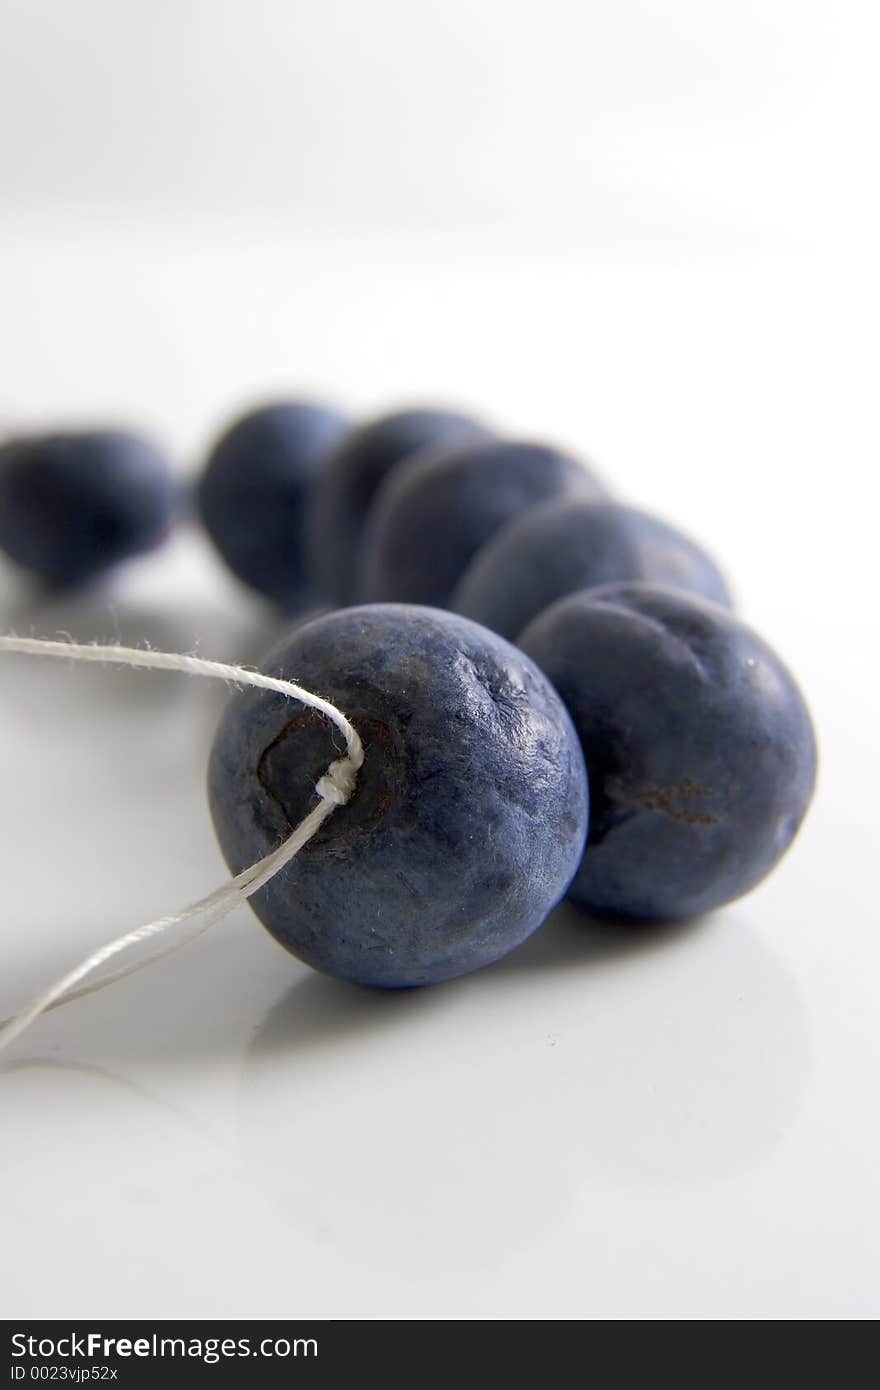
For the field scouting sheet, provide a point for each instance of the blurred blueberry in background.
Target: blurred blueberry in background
(343, 494)
(252, 493)
(432, 517)
(73, 505)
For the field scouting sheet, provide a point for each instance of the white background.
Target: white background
(646, 230)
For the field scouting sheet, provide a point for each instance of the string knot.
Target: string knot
(338, 782)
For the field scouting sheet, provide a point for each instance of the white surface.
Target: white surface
(650, 236)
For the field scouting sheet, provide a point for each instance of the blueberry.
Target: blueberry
(73, 505)
(699, 747)
(344, 493)
(568, 544)
(432, 517)
(470, 812)
(252, 493)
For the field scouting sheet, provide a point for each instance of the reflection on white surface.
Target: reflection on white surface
(457, 1125)
(607, 1123)
(175, 599)
(242, 1152)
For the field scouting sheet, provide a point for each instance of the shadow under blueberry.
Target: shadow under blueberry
(571, 935)
(451, 1127)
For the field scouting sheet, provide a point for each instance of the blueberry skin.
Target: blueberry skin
(343, 495)
(432, 517)
(699, 747)
(73, 505)
(568, 544)
(673, 560)
(252, 494)
(469, 816)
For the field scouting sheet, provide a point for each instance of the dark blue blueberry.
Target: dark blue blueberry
(470, 812)
(252, 493)
(699, 747)
(343, 495)
(73, 505)
(568, 544)
(432, 517)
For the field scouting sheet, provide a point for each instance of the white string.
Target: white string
(334, 789)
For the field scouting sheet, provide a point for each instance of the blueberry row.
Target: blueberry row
(590, 720)
(554, 696)
(421, 506)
